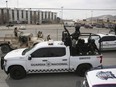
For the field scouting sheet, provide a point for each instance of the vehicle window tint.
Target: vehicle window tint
(49, 52)
(108, 38)
(57, 52)
(40, 53)
(105, 85)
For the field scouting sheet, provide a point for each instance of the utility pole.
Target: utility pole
(6, 4)
(91, 17)
(17, 3)
(62, 14)
(7, 13)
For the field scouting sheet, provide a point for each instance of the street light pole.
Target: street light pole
(91, 17)
(17, 3)
(6, 4)
(62, 14)
(7, 13)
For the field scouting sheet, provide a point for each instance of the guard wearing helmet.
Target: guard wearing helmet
(76, 34)
(16, 32)
(92, 48)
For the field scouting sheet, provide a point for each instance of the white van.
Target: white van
(69, 24)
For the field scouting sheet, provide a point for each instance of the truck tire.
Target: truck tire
(82, 69)
(17, 72)
(5, 48)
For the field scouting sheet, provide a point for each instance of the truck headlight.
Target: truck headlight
(5, 62)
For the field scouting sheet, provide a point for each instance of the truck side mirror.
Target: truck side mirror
(29, 57)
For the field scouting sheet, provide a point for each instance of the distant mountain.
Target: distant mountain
(103, 17)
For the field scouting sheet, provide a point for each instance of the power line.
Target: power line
(71, 9)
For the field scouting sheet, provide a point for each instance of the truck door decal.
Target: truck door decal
(81, 58)
(105, 75)
(41, 64)
(49, 64)
(59, 64)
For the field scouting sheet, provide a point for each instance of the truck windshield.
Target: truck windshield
(26, 50)
(95, 37)
(105, 85)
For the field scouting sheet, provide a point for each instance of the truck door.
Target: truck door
(39, 61)
(59, 59)
(112, 42)
(108, 42)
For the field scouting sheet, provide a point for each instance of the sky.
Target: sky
(72, 4)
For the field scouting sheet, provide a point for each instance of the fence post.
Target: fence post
(57, 34)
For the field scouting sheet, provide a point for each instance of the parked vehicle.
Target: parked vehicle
(69, 24)
(9, 25)
(88, 26)
(22, 28)
(108, 41)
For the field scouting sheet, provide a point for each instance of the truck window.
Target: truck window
(108, 38)
(95, 37)
(26, 50)
(49, 52)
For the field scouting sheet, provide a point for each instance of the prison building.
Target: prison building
(29, 16)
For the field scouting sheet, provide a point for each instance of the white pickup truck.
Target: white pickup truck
(47, 57)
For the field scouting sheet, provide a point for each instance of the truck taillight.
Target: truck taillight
(100, 57)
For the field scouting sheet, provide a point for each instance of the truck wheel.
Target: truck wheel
(82, 69)
(17, 72)
(5, 48)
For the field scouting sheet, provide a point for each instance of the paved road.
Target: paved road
(54, 30)
(52, 80)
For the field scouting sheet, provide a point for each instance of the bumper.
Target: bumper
(2, 63)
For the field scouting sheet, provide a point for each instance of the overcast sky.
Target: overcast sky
(76, 4)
